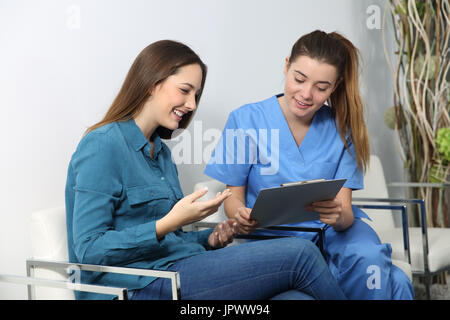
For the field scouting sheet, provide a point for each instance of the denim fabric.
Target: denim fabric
(288, 268)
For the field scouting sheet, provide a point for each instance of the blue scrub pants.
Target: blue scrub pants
(358, 260)
(362, 264)
(289, 268)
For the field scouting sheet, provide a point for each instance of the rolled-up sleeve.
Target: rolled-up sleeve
(200, 237)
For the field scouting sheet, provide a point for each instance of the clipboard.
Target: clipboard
(286, 204)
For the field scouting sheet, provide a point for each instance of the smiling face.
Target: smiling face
(309, 84)
(171, 100)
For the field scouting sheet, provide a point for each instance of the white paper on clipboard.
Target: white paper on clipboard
(286, 204)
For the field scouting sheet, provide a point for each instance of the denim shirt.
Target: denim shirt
(115, 192)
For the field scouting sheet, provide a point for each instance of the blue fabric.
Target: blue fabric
(289, 268)
(257, 150)
(115, 192)
(362, 264)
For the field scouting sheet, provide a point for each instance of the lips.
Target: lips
(302, 105)
(178, 114)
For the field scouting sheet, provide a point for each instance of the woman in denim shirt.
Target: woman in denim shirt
(125, 206)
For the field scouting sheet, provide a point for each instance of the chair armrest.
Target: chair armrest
(405, 224)
(121, 293)
(69, 266)
(423, 216)
(420, 202)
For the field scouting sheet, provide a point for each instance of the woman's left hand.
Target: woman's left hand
(330, 211)
(223, 234)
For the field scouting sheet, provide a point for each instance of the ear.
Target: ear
(286, 66)
(155, 88)
(338, 82)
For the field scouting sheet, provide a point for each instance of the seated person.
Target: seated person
(295, 136)
(125, 206)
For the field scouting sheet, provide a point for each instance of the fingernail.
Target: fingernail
(205, 188)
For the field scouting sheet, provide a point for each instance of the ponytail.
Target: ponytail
(345, 101)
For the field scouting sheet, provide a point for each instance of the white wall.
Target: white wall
(58, 75)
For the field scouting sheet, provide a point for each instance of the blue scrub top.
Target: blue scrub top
(115, 192)
(257, 149)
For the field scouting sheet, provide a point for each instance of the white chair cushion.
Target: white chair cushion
(438, 247)
(404, 266)
(49, 242)
(375, 187)
(49, 235)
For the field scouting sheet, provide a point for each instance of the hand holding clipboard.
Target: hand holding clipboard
(288, 203)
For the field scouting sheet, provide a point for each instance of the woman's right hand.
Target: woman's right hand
(188, 210)
(245, 224)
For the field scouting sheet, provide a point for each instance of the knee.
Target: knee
(369, 257)
(306, 247)
(401, 285)
(295, 248)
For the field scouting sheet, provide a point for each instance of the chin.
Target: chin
(173, 126)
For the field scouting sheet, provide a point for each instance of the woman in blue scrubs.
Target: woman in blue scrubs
(125, 207)
(295, 136)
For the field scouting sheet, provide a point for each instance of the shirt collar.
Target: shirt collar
(135, 138)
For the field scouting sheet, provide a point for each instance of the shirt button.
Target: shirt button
(162, 178)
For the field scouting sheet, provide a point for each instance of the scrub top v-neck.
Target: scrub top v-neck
(272, 156)
(284, 126)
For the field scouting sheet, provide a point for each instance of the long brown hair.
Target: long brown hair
(152, 66)
(345, 101)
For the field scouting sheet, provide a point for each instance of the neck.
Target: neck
(147, 127)
(291, 118)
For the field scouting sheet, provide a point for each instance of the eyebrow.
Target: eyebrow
(304, 75)
(190, 85)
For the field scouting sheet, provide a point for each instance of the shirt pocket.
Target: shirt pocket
(178, 194)
(150, 200)
(323, 170)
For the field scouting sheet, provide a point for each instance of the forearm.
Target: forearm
(231, 206)
(346, 219)
(235, 201)
(166, 225)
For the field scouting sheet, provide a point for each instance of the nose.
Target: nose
(191, 103)
(306, 93)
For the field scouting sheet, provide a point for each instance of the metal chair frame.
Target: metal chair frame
(122, 293)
